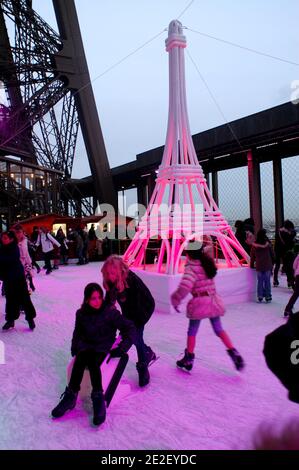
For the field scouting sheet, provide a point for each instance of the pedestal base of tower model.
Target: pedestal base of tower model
(234, 285)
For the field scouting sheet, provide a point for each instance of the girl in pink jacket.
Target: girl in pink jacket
(198, 279)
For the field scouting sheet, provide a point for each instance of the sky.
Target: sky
(132, 98)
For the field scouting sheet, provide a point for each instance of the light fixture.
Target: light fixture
(267, 145)
(222, 156)
(291, 138)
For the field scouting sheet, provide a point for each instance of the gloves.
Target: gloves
(174, 301)
(117, 352)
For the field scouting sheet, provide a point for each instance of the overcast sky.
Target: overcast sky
(132, 99)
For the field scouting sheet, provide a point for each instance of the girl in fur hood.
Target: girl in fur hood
(262, 256)
(198, 279)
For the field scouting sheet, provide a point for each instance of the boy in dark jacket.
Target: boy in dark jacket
(262, 256)
(93, 337)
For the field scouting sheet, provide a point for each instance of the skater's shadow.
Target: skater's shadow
(61, 360)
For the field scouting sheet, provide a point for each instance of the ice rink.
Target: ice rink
(213, 407)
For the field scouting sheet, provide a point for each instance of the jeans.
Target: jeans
(294, 297)
(194, 325)
(264, 284)
(92, 360)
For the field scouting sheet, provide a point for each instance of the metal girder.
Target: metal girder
(48, 89)
(71, 59)
(30, 75)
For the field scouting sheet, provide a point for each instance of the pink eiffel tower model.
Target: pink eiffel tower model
(181, 208)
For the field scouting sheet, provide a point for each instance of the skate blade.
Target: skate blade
(153, 361)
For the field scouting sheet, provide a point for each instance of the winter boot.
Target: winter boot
(99, 408)
(187, 361)
(294, 394)
(143, 373)
(9, 324)
(31, 323)
(150, 356)
(236, 358)
(68, 402)
(288, 313)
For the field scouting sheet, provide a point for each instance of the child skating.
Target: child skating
(262, 257)
(198, 279)
(94, 334)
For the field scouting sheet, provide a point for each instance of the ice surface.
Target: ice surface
(213, 407)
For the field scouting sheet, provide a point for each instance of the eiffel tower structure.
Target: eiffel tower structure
(181, 208)
(49, 97)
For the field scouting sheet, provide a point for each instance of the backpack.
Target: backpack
(250, 238)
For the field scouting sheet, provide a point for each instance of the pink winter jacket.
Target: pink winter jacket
(195, 281)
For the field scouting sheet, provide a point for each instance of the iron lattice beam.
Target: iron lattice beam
(33, 122)
(46, 78)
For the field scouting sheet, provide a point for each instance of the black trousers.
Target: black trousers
(91, 360)
(48, 257)
(295, 295)
(18, 298)
(287, 260)
(32, 254)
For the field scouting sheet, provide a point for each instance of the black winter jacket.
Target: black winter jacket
(278, 349)
(136, 301)
(11, 268)
(96, 330)
(284, 241)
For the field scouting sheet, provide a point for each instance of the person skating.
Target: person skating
(137, 304)
(93, 336)
(13, 276)
(198, 279)
(32, 248)
(25, 256)
(47, 243)
(262, 257)
(61, 238)
(289, 308)
(283, 248)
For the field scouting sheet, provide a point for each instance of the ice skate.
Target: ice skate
(99, 408)
(68, 402)
(187, 361)
(236, 358)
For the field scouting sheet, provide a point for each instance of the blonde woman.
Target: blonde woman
(137, 304)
